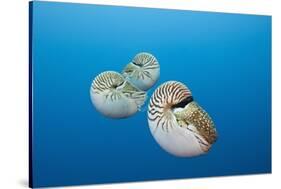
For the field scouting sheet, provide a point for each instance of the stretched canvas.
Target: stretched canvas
(123, 94)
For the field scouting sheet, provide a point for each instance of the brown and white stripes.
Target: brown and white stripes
(162, 101)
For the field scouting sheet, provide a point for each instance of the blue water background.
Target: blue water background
(225, 59)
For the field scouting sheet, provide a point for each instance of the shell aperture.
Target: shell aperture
(115, 97)
(178, 124)
(143, 71)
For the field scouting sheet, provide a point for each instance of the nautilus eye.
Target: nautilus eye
(115, 97)
(143, 71)
(178, 124)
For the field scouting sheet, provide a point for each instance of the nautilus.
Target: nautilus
(178, 124)
(115, 97)
(143, 71)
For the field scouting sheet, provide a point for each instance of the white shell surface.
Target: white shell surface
(178, 141)
(179, 136)
(143, 71)
(115, 97)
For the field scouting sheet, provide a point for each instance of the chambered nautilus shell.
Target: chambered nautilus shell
(115, 97)
(143, 71)
(178, 124)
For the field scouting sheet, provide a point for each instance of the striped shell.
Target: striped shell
(115, 97)
(178, 124)
(143, 71)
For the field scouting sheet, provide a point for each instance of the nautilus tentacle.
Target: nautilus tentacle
(143, 71)
(115, 97)
(178, 124)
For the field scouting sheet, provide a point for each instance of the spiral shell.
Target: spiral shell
(143, 71)
(115, 97)
(178, 124)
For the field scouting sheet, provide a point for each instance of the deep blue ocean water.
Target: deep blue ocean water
(225, 59)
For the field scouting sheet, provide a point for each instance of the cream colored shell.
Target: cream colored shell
(143, 71)
(115, 97)
(178, 124)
